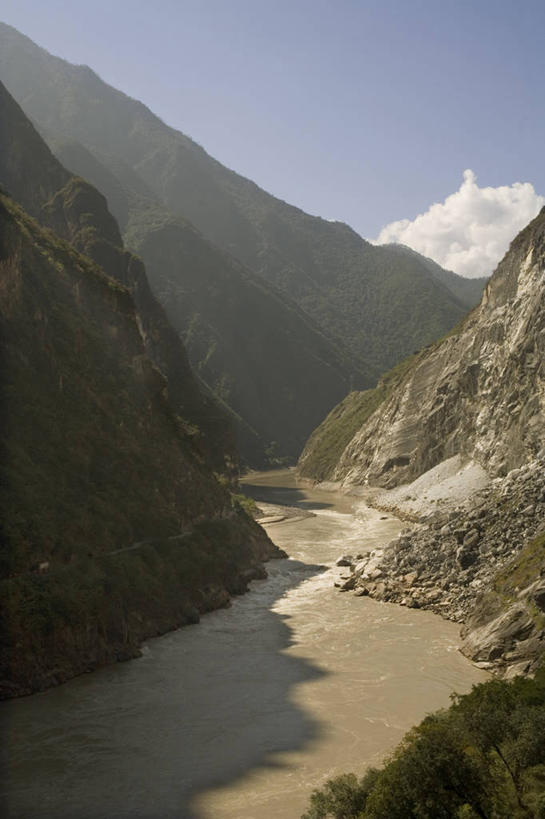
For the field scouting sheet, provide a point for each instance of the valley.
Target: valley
(272, 494)
(242, 715)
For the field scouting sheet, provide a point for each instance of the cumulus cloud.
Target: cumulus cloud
(471, 230)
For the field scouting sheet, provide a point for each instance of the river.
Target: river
(242, 715)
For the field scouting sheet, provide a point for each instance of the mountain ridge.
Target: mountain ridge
(359, 294)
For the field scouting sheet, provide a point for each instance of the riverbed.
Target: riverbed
(241, 716)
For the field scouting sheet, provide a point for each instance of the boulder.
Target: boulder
(499, 636)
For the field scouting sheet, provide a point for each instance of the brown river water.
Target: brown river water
(241, 716)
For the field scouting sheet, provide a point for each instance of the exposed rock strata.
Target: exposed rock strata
(479, 396)
(479, 393)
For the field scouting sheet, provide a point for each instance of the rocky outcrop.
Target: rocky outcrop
(456, 563)
(476, 397)
(479, 393)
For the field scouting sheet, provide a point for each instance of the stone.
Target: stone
(539, 597)
(465, 557)
(471, 539)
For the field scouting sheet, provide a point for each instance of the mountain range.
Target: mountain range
(282, 313)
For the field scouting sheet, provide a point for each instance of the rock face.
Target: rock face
(479, 393)
(481, 563)
(477, 396)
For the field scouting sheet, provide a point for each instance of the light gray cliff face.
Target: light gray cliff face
(480, 393)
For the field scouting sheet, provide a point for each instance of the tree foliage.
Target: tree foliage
(483, 757)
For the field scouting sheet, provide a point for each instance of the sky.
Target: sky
(365, 111)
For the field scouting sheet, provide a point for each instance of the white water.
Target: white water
(241, 716)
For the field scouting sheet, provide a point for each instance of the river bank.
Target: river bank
(98, 609)
(241, 716)
(459, 558)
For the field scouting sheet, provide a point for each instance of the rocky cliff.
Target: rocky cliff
(476, 397)
(480, 563)
(479, 393)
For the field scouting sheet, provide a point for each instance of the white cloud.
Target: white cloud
(471, 230)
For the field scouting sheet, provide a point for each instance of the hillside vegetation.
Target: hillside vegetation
(328, 441)
(378, 303)
(114, 527)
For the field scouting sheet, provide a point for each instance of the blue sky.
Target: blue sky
(360, 110)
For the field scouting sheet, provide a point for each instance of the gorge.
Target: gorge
(300, 685)
(169, 330)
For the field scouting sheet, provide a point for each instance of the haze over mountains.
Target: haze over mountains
(109, 446)
(134, 388)
(282, 313)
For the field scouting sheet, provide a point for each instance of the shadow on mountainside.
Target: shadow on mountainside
(204, 706)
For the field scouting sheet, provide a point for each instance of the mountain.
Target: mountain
(376, 302)
(262, 357)
(114, 527)
(467, 414)
(78, 213)
(259, 353)
(478, 393)
(468, 291)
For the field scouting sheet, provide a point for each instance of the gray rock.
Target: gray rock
(471, 539)
(538, 596)
(465, 557)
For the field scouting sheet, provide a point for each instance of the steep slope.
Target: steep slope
(259, 353)
(113, 527)
(476, 396)
(479, 393)
(327, 443)
(380, 304)
(468, 291)
(256, 350)
(78, 212)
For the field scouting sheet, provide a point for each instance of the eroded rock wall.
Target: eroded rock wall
(479, 393)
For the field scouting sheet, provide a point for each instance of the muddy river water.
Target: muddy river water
(242, 715)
